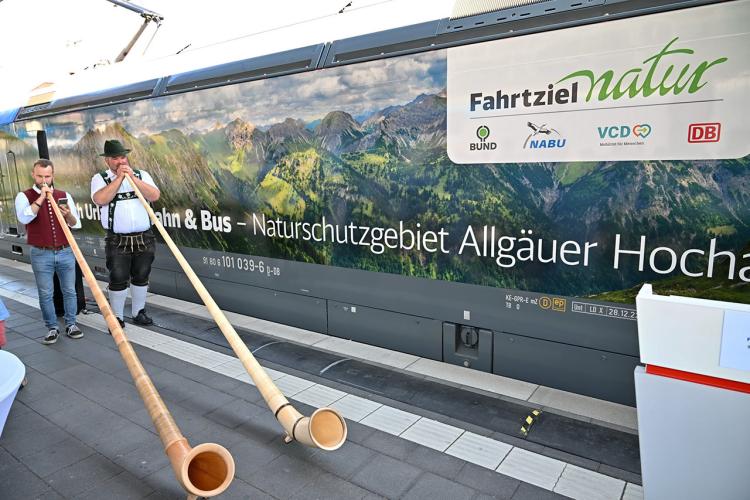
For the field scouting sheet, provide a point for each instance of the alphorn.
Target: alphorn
(325, 428)
(205, 470)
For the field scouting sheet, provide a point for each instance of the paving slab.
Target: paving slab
(390, 445)
(29, 439)
(262, 428)
(532, 468)
(29, 348)
(284, 476)
(319, 396)
(53, 458)
(50, 361)
(437, 488)
(584, 484)
(390, 420)
(344, 462)
(479, 450)
(125, 439)
(438, 463)
(164, 484)
(487, 481)
(17, 481)
(387, 476)
(234, 413)
(633, 492)
(528, 491)
(85, 475)
(144, 460)
(329, 487)
(432, 434)
(355, 408)
(124, 486)
(252, 457)
(43, 387)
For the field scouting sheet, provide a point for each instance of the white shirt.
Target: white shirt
(25, 214)
(130, 215)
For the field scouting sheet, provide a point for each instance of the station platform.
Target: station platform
(417, 428)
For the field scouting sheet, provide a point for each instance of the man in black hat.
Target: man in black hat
(130, 241)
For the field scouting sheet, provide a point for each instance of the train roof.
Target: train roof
(290, 53)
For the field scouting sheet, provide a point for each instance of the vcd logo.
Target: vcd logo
(543, 137)
(623, 131)
(483, 132)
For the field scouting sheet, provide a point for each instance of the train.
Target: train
(489, 190)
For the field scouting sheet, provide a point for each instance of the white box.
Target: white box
(686, 334)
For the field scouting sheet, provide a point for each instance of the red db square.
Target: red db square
(704, 132)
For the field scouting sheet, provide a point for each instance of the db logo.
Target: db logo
(704, 132)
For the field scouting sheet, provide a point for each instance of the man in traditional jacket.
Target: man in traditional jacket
(50, 249)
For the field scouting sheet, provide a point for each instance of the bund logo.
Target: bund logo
(543, 137)
(483, 133)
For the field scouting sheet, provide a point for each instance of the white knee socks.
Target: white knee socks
(117, 301)
(138, 295)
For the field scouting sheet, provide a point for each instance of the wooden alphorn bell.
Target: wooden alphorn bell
(205, 470)
(325, 428)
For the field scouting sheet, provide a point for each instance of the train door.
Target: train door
(16, 158)
(9, 186)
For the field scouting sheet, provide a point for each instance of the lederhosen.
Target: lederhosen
(129, 256)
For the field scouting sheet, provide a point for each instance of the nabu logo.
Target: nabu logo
(483, 132)
(543, 137)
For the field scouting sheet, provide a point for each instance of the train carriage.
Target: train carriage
(489, 190)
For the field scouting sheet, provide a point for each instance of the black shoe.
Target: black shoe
(122, 325)
(51, 337)
(142, 318)
(73, 332)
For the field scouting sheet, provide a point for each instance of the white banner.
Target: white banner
(664, 86)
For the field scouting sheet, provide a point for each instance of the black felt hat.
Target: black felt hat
(114, 148)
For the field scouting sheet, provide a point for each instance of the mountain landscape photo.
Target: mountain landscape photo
(377, 162)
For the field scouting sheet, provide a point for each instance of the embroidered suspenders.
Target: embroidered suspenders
(118, 197)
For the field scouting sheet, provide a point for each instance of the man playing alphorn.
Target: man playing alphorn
(130, 242)
(50, 249)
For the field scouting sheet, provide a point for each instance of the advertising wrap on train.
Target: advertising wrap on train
(580, 162)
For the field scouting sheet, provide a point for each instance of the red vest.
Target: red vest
(45, 230)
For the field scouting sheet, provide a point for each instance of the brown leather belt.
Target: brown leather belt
(52, 248)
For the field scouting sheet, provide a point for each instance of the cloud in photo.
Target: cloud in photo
(358, 90)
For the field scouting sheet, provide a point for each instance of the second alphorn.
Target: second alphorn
(205, 470)
(325, 428)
